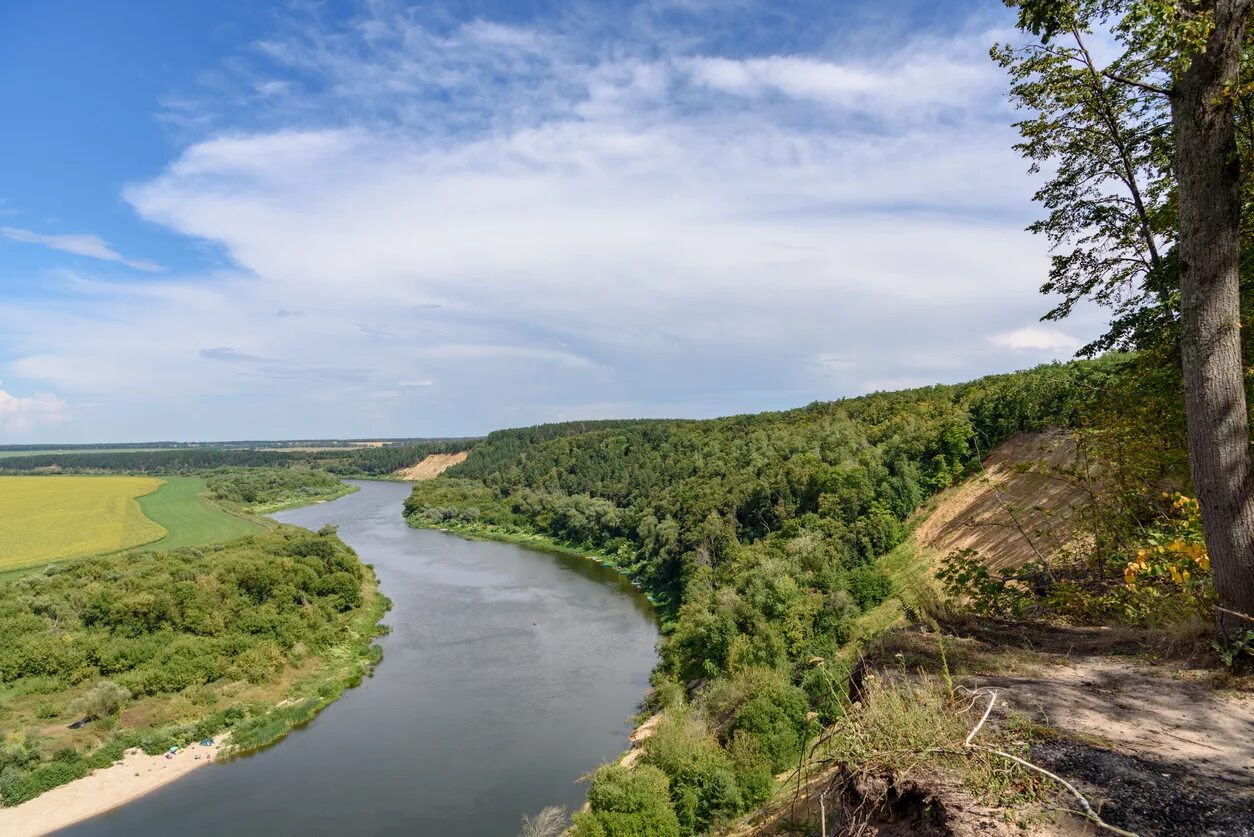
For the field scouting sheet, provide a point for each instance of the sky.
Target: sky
(250, 220)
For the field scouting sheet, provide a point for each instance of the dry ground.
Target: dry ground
(431, 467)
(103, 790)
(1024, 503)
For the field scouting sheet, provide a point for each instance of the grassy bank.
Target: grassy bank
(344, 667)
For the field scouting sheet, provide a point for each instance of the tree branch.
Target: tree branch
(1146, 86)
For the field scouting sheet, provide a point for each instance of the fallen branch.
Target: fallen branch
(1089, 813)
(992, 699)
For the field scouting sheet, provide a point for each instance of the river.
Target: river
(508, 674)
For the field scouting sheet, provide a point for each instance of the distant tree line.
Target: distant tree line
(354, 461)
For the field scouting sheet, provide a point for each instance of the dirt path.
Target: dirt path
(102, 790)
(432, 466)
(1158, 748)
(1136, 709)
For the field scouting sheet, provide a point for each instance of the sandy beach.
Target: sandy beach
(103, 790)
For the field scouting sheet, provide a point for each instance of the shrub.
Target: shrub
(17, 756)
(869, 586)
(702, 778)
(19, 787)
(627, 803)
(259, 662)
(763, 704)
(201, 695)
(551, 822)
(103, 700)
(753, 769)
(777, 721)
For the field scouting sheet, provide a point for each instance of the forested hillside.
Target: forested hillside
(671, 497)
(759, 535)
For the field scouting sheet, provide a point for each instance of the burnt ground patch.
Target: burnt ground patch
(1150, 797)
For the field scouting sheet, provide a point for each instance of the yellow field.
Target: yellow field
(50, 518)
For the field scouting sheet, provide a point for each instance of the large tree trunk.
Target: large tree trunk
(1208, 173)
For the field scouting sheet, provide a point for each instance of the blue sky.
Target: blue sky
(272, 220)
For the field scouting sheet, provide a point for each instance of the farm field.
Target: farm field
(50, 518)
(189, 518)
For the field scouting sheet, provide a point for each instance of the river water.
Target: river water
(509, 673)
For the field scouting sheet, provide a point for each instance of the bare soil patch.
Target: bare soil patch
(432, 466)
(1021, 499)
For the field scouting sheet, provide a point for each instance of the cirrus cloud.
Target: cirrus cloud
(78, 244)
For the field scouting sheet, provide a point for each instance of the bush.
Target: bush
(551, 822)
(103, 700)
(260, 662)
(201, 695)
(16, 788)
(777, 722)
(627, 803)
(753, 769)
(702, 778)
(869, 586)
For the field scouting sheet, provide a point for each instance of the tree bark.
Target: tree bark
(1208, 173)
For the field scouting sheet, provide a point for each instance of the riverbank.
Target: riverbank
(255, 707)
(476, 694)
(105, 789)
(301, 502)
(543, 543)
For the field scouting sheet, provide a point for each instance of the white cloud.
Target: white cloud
(903, 83)
(21, 414)
(544, 226)
(82, 244)
(487, 351)
(925, 79)
(1039, 339)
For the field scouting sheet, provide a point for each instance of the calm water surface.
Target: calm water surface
(475, 717)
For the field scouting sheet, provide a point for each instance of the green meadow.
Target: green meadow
(180, 505)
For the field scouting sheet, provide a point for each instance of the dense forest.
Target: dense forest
(758, 536)
(178, 635)
(674, 497)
